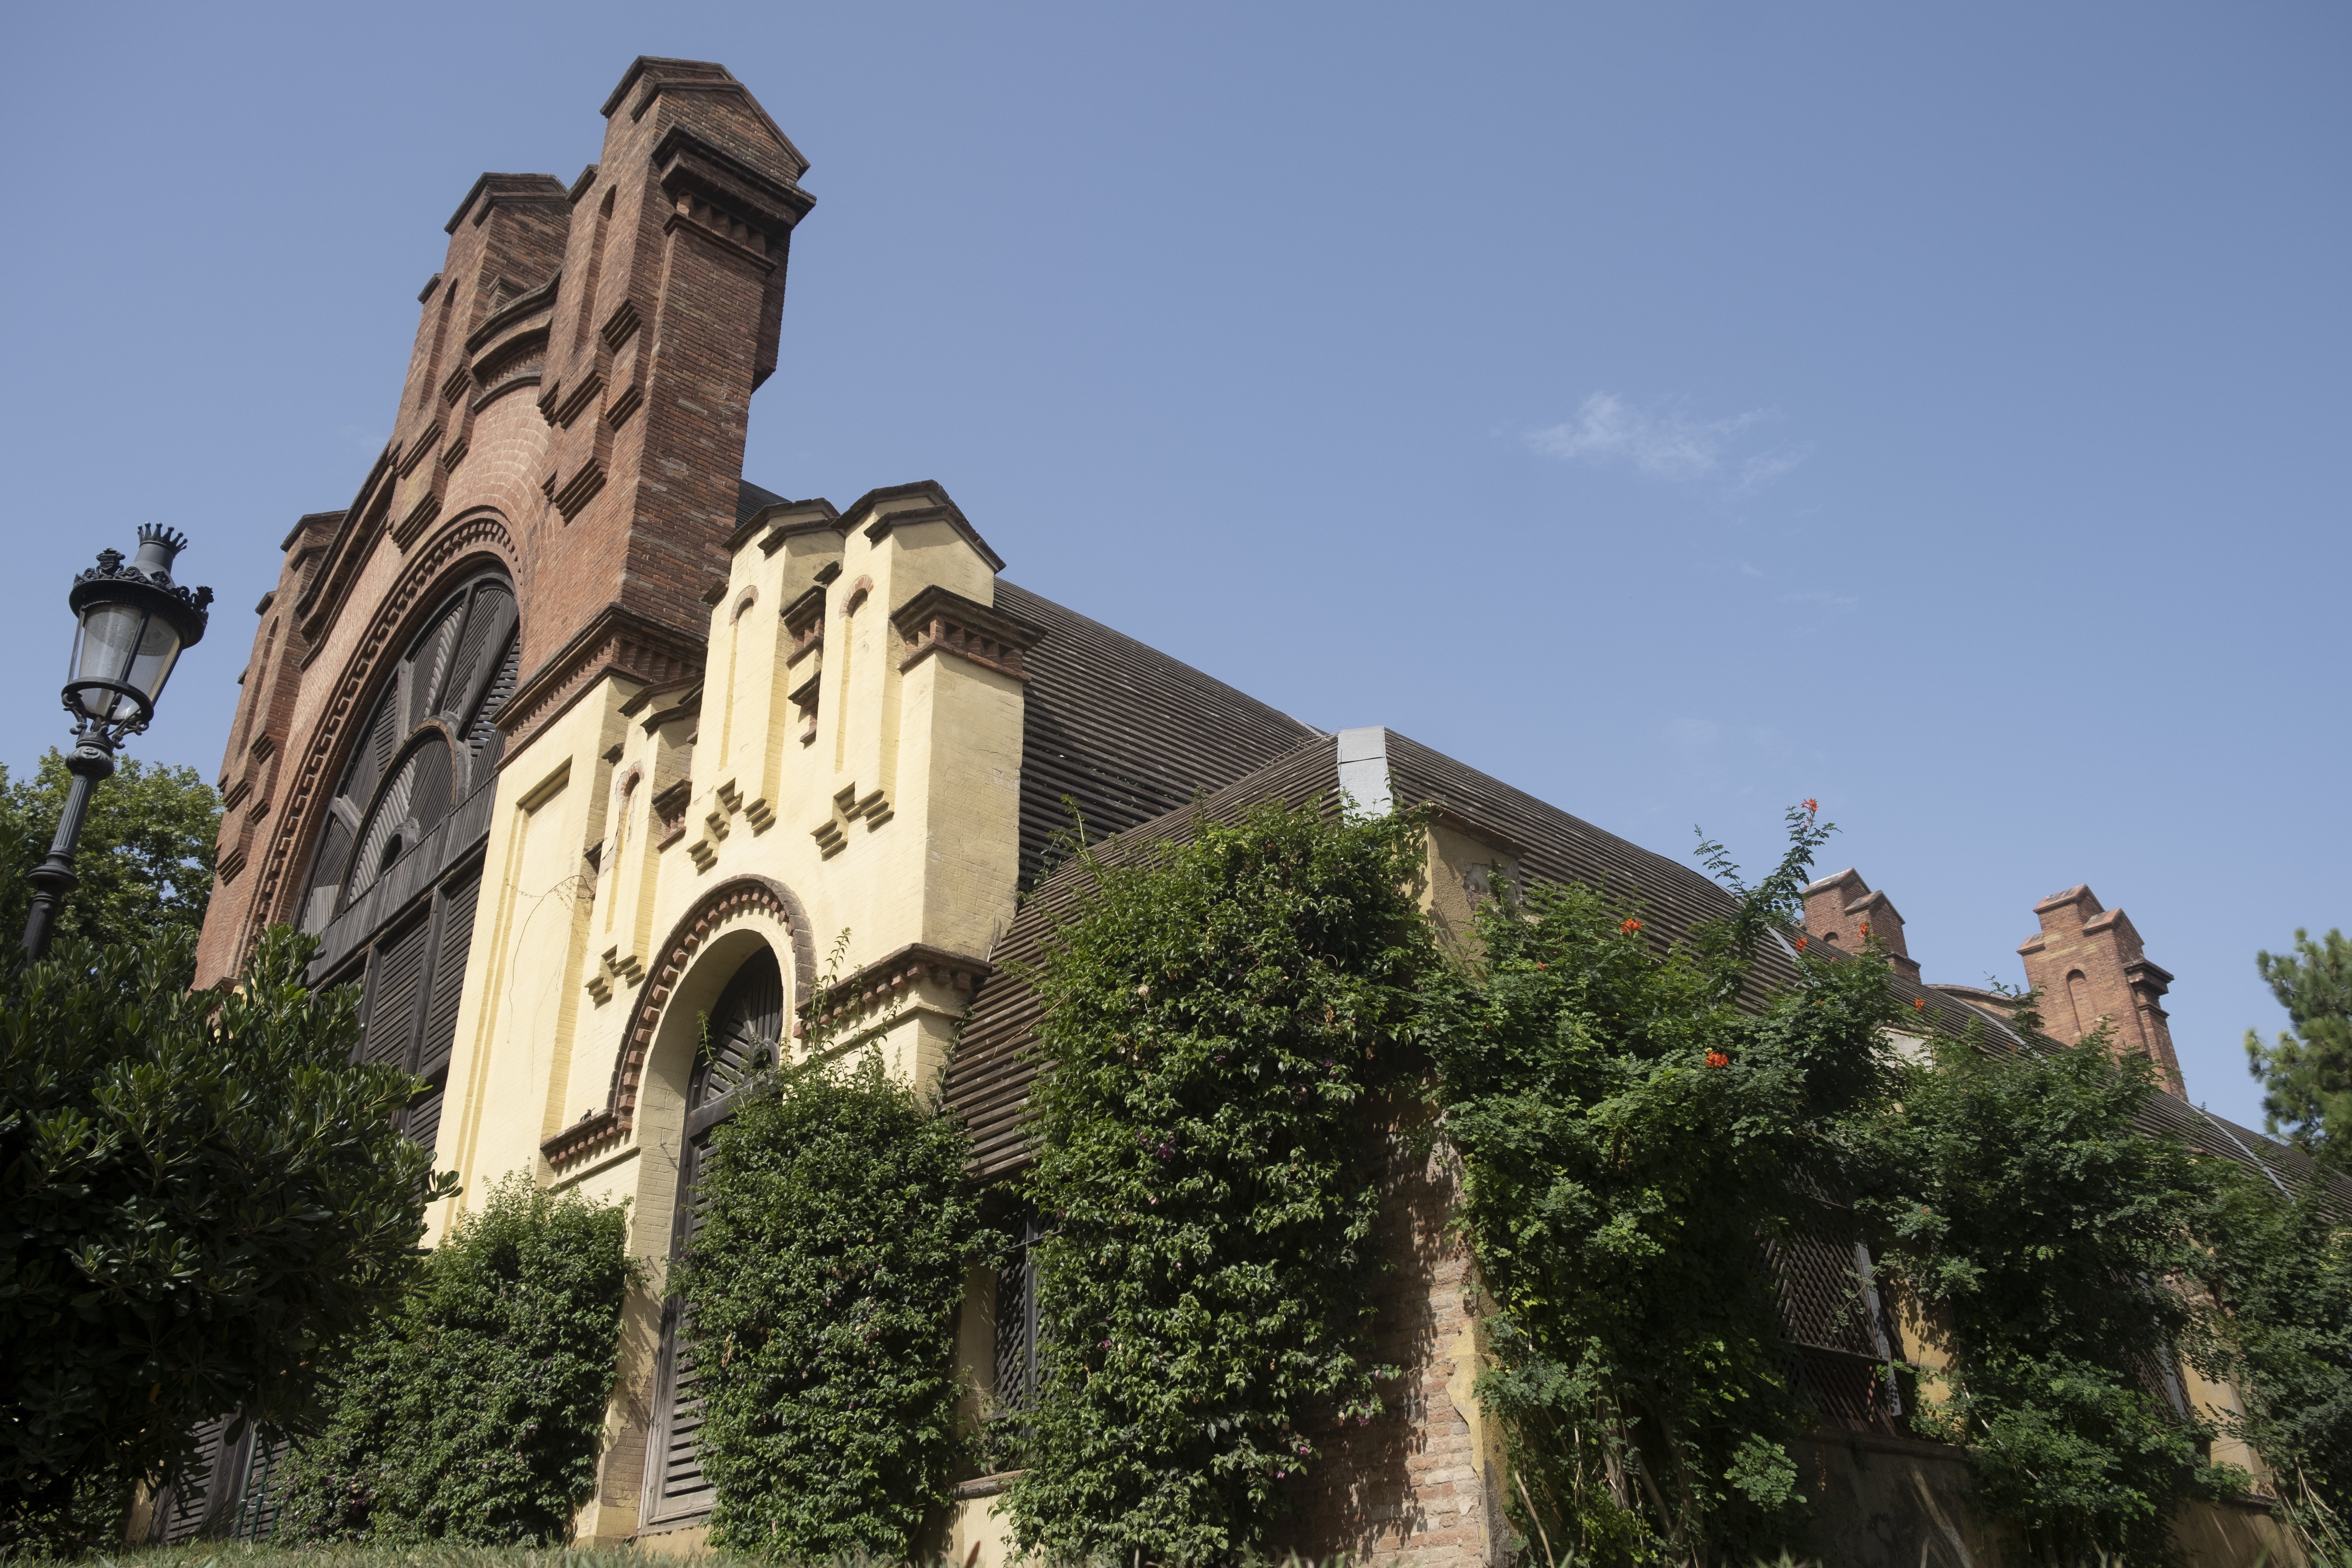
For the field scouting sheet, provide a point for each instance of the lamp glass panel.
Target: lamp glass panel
(109, 641)
(159, 648)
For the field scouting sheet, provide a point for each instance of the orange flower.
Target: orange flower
(1811, 806)
(1866, 933)
(1629, 927)
(1920, 1003)
(1718, 1059)
(1541, 964)
(1801, 944)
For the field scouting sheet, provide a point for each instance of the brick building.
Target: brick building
(563, 735)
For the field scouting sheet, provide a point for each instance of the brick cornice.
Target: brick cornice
(939, 620)
(730, 901)
(687, 166)
(890, 976)
(617, 640)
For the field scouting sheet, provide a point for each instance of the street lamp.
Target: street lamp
(133, 621)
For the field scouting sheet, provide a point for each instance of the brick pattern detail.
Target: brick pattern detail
(645, 325)
(731, 901)
(1411, 1486)
(887, 979)
(1842, 912)
(939, 621)
(2088, 964)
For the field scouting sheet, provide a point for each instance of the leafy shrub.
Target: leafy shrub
(838, 1227)
(1631, 1137)
(200, 1194)
(475, 1410)
(1215, 1022)
(2021, 1193)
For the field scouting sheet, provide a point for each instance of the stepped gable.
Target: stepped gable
(1123, 729)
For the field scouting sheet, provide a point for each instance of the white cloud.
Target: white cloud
(1664, 443)
(1758, 472)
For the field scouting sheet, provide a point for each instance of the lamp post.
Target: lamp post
(132, 621)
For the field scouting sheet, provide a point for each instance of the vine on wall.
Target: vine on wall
(838, 1229)
(1630, 1139)
(1214, 1025)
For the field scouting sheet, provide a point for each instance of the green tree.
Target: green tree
(2281, 1274)
(2022, 1194)
(1217, 1020)
(838, 1228)
(475, 1409)
(200, 1196)
(145, 858)
(1635, 1124)
(2307, 1075)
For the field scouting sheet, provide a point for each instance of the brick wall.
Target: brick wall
(574, 410)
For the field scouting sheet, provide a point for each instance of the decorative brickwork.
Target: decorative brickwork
(2088, 965)
(462, 547)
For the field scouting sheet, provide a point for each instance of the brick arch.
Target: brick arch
(465, 545)
(744, 895)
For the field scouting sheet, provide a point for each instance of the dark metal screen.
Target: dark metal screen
(1016, 1319)
(1844, 1344)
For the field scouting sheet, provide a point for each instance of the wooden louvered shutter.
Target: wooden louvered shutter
(422, 1125)
(258, 1498)
(745, 1031)
(449, 974)
(394, 981)
(187, 1502)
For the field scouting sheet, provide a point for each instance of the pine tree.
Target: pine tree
(2307, 1074)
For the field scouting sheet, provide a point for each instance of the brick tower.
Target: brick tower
(2087, 964)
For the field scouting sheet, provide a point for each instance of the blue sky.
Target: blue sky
(1674, 410)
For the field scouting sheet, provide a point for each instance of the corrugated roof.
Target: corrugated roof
(1123, 729)
(988, 1082)
(749, 497)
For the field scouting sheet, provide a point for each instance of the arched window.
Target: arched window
(746, 1032)
(397, 870)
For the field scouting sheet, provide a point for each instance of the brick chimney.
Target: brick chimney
(2088, 964)
(1843, 911)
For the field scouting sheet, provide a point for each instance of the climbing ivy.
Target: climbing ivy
(1630, 1139)
(475, 1410)
(838, 1228)
(1218, 1024)
(2281, 1275)
(2024, 1197)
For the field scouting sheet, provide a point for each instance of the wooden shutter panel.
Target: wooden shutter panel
(258, 1499)
(449, 974)
(422, 1124)
(187, 1502)
(392, 984)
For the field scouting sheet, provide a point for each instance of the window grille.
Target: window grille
(1016, 1318)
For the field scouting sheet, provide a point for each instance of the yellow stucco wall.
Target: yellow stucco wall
(894, 824)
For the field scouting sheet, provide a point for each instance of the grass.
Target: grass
(430, 1555)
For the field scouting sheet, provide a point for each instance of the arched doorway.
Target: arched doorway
(745, 1034)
